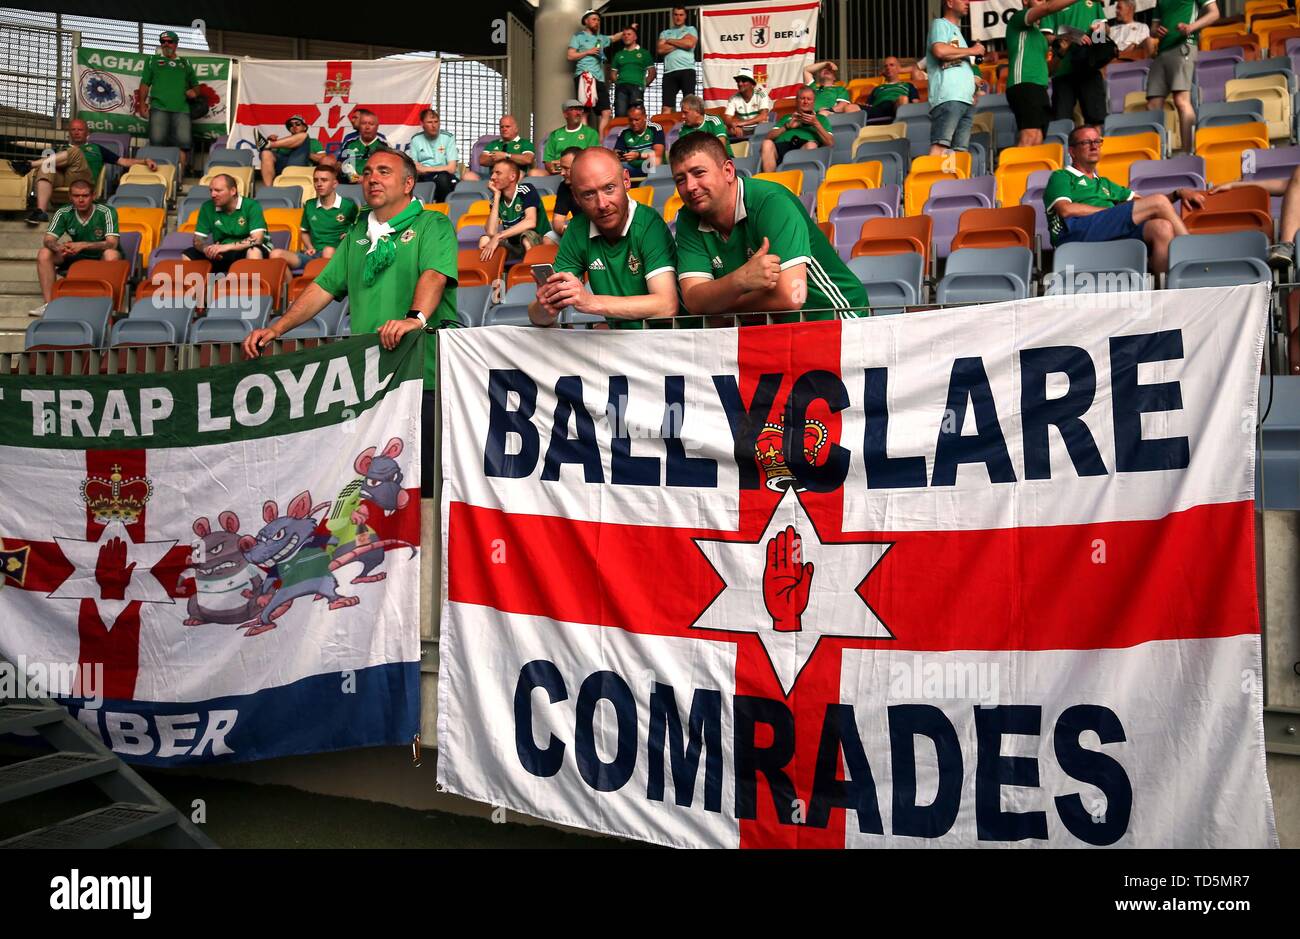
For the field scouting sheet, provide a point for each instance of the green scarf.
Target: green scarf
(385, 250)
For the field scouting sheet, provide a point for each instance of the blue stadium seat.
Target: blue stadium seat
(979, 275)
(894, 156)
(228, 156)
(1277, 472)
(663, 186)
(276, 197)
(1099, 267)
(351, 191)
(847, 120)
(174, 316)
(821, 156)
(192, 202)
(471, 302)
(508, 314)
(1004, 121)
(545, 185)
(333, 314)
(571, 317)
(220, 330)
(1222, 259)
(71, 321)
(892, 281)
(1277, 65)
(425, 191)
(253, 308)
(749, 164)
(128, 244)
(1220, 113)
(521, 293)
(151, 196)
(170, 155)
(144, 332)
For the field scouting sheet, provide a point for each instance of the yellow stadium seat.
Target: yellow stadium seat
(844, 176)
(243, 176)
(672, 206)
(303, 171)
(548, 204)
(928, 170)
(302, 182)
(442, 207)
(1137, 101)
(740, 149)
(1256, 8)
(148, 222)
(1119, 152)
(191, 223)
(790, 179)
(13, 188)
(164, 176)
(894, 131)
(643, 194)
(1267, 23)
(1210, 32)
(1017, 163)
(1272, 92)
(281, 219)
(1221, 148)
(476, 214)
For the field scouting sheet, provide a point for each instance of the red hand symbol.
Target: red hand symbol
(786, 581)
(112, 573)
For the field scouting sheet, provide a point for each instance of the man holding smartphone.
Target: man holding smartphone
(623, 247)
(804, 128)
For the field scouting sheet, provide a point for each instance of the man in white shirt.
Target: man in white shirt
(1130, 37)
(748, 107)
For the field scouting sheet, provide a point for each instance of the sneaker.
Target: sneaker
(1281, 255)
(37, 217)
(39, 311)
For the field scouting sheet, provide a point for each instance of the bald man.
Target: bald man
(623, 247)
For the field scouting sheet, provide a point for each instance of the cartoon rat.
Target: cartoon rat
(363, 523)
(226, 586)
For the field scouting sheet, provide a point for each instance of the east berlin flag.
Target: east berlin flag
(776, 38)
(974, 577)
(220, 564)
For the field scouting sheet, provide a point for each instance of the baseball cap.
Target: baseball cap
(571, 103)
(746, 73)
(168, 34)
(295, 117)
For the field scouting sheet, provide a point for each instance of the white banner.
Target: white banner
(934, 579)
(776, 38)
(988, 18)
(325, 93)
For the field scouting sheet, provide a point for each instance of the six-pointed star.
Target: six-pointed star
(84, 557)
(835, 608)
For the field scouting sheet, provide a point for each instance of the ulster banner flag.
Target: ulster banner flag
(972, 577)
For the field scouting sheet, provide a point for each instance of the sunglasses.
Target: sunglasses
(167, 42)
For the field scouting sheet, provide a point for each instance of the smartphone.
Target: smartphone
(542, 273)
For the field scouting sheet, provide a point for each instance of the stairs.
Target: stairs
(20, 291)
(134, 808)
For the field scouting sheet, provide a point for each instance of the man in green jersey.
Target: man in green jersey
(1081, 49)
(1174, 27)
(575, 133)
(749, 245)
(1027, 77)
(694, 120)
(509, 146)
(167, 84)
(81, 159)
(624, 248)
(355, 153)
(325, 220)
(397, 267)
(886, 98)
(803, 129)
(230, 227)
(832, 97)
(633, 70)
(517, 220)
(92, 233)
(640, 145)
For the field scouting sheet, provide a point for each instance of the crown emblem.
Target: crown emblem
(338, 86)
(760, 21)
(116, 499)
(770, 453)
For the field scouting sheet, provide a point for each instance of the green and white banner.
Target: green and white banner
(107, 81)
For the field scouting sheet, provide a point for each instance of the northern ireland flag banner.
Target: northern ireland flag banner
(222, 564)
(774, 37)
(974, 577)
(325, 93)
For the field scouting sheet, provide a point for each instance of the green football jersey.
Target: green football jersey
(326, 226)
(244, 217)
(168, 80)
(1070, 185)
(100, 225)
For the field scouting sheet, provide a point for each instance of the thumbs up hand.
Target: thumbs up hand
(761, 271)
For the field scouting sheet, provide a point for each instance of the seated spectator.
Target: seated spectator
(823, 79)
(887, 97)
(632, 70)
(622, 247)
(298, 148)
(1282, 253)
(564, 204)
(355, 152)
(1082, 206)
(1131, 38)
(640, 145)
(574, 133)
(230, 227)
(748, 107)
(508, 147)
(804, 129)
(435, 155)
(354, 118)
(694, 119)
(518, 219)
(325, 219)
(91, 228)
(80, 159)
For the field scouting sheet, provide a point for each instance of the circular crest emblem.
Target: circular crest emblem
(408, 235)
(634, 264)
(340, 218)
(101, 91)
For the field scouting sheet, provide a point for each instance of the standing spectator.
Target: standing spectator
(518, 219)
(1027, 77)
(166, 85)
(355, 153)
(694, 120)
(564, 203)
(748, 107)
(324, 220)
(640, 144)
(1081, 50)
(435, 156)
(1130, 37)
(574, 133)
(509, 147)
(80, 160)
(624, 248)
(804, 129)
(633, 70)
(823, 78)
(886, 97)
(677, 46)
(952, 80)
(587, 53)
(230, 226)
(297, 148)
(1175, 25)
(92, 233)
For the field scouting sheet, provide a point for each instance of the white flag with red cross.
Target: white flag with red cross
(776, 38)
(971, 577)
(324, 93)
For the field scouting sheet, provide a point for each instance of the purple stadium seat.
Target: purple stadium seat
(280, 239)
(854, 207)
(1214, 69)
(128, 242)
(164, 254)
(1033, 196)
(477, 150)
(1274, 163)
(1148, 177)
(949, 198)
(468, 236)
(1122, 78)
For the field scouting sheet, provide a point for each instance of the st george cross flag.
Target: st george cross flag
(325, 93)
(776, 38)
(221, 564)
(972, 577)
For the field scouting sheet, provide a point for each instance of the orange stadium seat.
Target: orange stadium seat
(1277, 39)
(1212, 34)
(522, 272)
(1221, 148)
(309, 273)
(1244, 209)
(266, 276)
(95, 279)
(783, 108)
(176, 279)
(928, 170)
(1017, 163)
(828, 230)
(475, 272)
(907, 235)
(1009, 227)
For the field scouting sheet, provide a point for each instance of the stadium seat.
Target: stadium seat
(148, 222)
(522, 273)
(918, 136)
(95, 278)
(980, 275)
(220, 330)
(71, 321)
(1224, 113)
(507, 314)
(1211, 33)
(1136, 102)
(1244, 209)
(474, 271)
(1265, 27)
(262, 277)
(1004, 121)
(176, 281)
(926, 171)
(1221, 148)
(253, 308)
(226, 156)
(949, 198)
(353, 191)
(892, 281)
(1214, 69)
(876, 132)
(189, 204)
(440, 207)
(1149, 177)
(425, 191)
(1273, 163)
(643, 194)
(545, 185)
(1123, 78)
(1273, 93)
(1257, 8)
(1099, 267)
(303, 183)
(273, 197)
(152, 321)
(1118, 153)
(128, 245)
(672, 207)
(894, 156)
(1219, 260)
(309, 273)
(471, 303)
(841, 178)
(662, 187)
(1279, 39)
(855, 207)
(281, 219)
(790, 179)
(1245, 44)
(821, 156)
(242, 175)
(1138, 122)
(895, 236)
(140, 196)
(476, 214)
(1012, 226)
(468, 236)
(314, 328)
(1018, 162)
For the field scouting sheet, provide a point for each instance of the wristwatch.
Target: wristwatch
(418, 315)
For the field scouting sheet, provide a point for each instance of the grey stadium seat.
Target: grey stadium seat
(1082, 267)
(252, 308)
(1222, 259)
(274, 197)
(977, 275)
(892, 281)
(72, 321)
(508, 314)
(220, 330)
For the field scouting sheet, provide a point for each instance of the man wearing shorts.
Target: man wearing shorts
(91, 229)
(1175, 25)
(1027, 70)
(167, 84)
(952, 80)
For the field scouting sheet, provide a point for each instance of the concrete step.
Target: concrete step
(20, 288)
(17, 269)
(17, 320)
(26, 241)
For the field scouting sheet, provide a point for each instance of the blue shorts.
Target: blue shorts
(1111, 224)
(950, 124)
